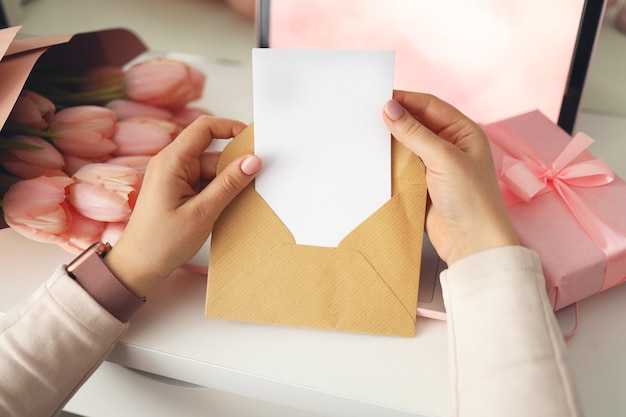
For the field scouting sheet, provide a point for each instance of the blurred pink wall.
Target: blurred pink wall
(491, 58)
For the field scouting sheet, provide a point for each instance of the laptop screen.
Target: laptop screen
(492, 59)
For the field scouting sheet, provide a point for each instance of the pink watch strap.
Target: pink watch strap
(94, 276)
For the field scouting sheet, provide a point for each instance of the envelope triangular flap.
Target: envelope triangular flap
(368, 284)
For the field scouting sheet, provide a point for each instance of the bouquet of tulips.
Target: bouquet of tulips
(74, 149)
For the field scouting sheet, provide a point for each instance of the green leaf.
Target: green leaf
(17, 129)
(11, 144)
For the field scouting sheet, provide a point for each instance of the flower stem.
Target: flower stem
(10, 144)
(60, 79)
(17, 129)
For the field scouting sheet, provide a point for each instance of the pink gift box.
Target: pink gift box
(565, 204)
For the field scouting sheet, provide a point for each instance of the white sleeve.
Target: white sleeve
(50, 344)
(507, 354)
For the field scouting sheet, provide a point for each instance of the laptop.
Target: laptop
(491, 59)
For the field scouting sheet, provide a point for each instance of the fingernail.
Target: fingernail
(250, 165)
(394, 110)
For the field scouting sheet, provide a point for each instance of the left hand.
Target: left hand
(171, 221)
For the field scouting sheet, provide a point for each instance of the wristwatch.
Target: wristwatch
(90, 271)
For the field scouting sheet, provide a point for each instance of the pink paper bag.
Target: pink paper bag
(72, 53)
(564, 203)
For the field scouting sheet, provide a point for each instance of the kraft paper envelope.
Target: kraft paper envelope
(368, 284)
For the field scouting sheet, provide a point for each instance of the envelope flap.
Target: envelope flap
(243, 144)
(400, 223)
(267, 225)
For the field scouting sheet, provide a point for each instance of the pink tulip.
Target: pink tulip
(164, 82)
(37, 208)
(84, 131)
(187, 115)
(105, 192)
(32, 110)
(103, 77)
(128, 109)
(28, 163)
(144, 136)
(82, 232)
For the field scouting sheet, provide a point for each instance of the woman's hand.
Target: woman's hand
(171, 220)
(466, 213)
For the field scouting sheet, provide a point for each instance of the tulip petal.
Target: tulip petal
(84, 144)
(44, 218)
(99, 203)
(143, 136)
(28, 163)
(164, 82)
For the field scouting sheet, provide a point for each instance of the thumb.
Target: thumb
(230, 182)
(417, 137)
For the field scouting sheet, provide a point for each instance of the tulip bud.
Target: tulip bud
(164, 82)
(37, 208)
(27, 163)
(84, 131)
(105, 192)
(144, 136)
(32, 110)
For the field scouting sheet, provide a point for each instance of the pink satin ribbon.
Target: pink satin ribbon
(524, 175)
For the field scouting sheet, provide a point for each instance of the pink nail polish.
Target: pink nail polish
(394, 110)
(250, 165)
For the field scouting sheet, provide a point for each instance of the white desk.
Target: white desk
(258, 370)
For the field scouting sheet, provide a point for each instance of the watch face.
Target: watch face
(97, 249)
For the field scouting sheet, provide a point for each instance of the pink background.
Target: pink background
(491, 58)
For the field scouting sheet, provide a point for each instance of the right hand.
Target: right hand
(466, 213)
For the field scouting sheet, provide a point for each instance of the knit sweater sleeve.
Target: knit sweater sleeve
(50, 344)
(507, 354)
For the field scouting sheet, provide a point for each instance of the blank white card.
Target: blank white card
(318, 128)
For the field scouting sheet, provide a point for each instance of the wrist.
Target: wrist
(127, 274)
(485, 241)
(91, 273)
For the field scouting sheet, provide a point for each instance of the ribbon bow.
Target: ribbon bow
(525, 175)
